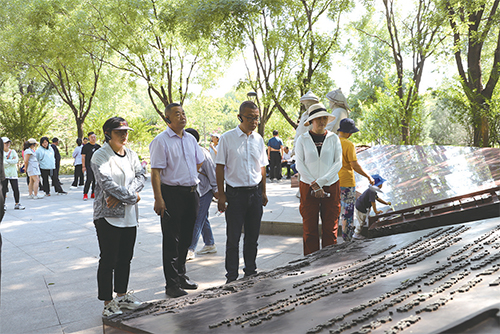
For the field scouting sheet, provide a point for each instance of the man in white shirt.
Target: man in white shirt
(175, 160)
(287, 161)
(241, 161)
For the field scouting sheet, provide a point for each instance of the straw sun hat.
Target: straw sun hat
(318, 110)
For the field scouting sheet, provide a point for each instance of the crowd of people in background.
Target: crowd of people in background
(186, 178)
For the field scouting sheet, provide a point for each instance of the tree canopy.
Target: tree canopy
(78, 62)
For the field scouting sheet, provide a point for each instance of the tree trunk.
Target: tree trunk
(79, 127)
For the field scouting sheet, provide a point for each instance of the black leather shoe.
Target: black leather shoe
(250, 275)
(186, 283)
(175, 291)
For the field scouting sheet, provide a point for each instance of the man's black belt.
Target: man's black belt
(191, 189)
(245, 188)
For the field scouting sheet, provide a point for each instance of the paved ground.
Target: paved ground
(50, 254)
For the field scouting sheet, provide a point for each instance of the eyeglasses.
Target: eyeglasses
(252, 119)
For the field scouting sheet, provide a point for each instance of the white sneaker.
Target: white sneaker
(19, 207)
(358, 236)
(128, 301)
(111, 309)
(190, 255)
(207, 250)
(38, 196)
(31, 196)
(73, 187)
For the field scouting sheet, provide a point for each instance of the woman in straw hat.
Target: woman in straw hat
(319, 159)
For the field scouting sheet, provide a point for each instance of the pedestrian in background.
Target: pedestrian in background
(318, 155)
(87, 152)
(274, 154)
(207, 189)
(46, 158)
(32, 168)
(57, 156)
(78, 174)
(10, 167)
(119, 179)
(214, 142)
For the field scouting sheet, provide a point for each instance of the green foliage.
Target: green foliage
(24, 117)
(460, 112)
(382, 120)
(212, 115)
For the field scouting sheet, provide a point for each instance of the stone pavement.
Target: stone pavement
(50, 255)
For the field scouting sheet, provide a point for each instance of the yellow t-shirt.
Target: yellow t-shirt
(346, 173)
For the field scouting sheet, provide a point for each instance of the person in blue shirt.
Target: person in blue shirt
(274, 154)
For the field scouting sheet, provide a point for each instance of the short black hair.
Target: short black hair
(195, 134)
(247, 105)
(78, 141)
(170, 106)
(55, 140)
(90, 134)
(275, 132)
(44, 139)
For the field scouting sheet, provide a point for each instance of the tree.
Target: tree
(150, 41)
(417, 36)
(50, 39)
(476, 37)
(23, 117)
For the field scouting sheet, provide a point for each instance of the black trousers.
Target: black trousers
(177, 227)
(2, 212)
(116, 245)
(78, 176)
(45, 185)
(15, 188)
(287, 165)
(55, 177)
(244, 209)
(275, 165)
(90, 180)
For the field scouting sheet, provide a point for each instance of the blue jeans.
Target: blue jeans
(202, 225)
(244, 209)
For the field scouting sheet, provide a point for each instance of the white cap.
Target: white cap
(5, 140)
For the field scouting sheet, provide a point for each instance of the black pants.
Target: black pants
(2, 212)
(55, 177)
(177, 229)
(275, 165)
(287, 165)
(78, 176)
(45, 181)
(244, 209)
(15, 188)
(90, 180)
(116, 245)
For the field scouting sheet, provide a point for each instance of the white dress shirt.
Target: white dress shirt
(176, 157)
(243, 157)
(287, 156)
(323, 169)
